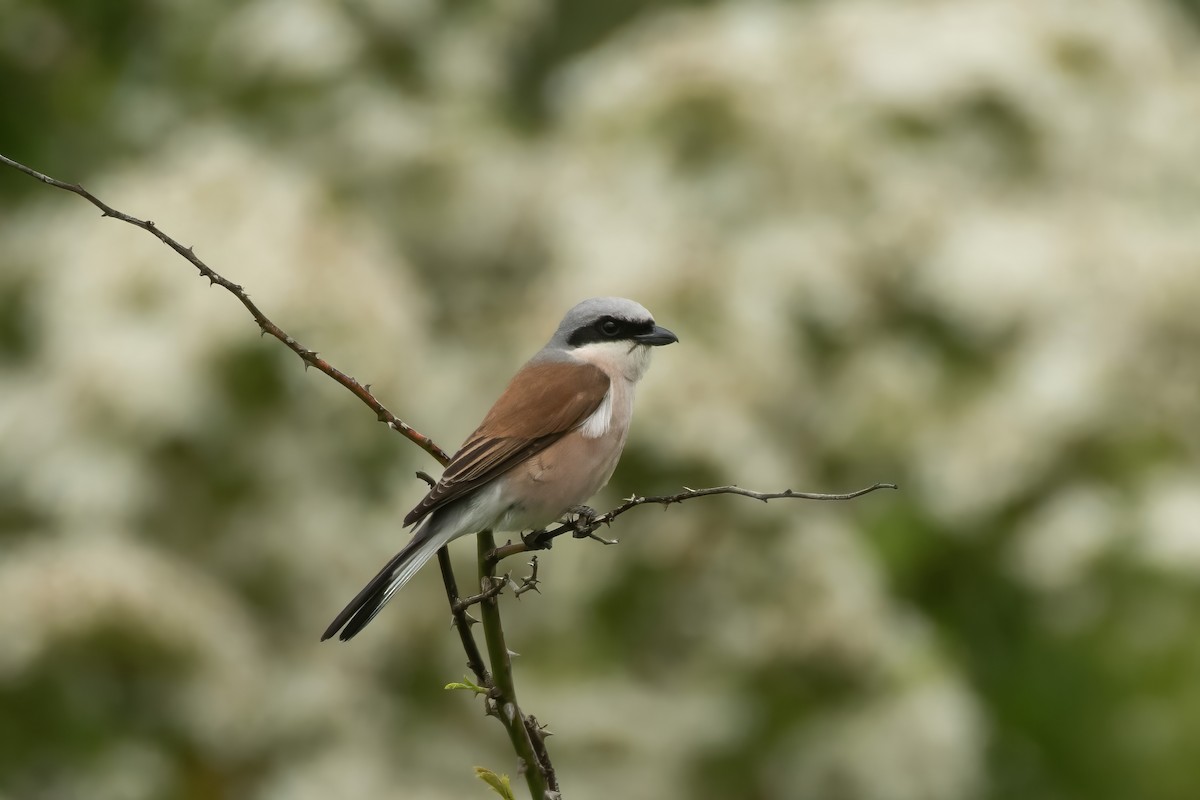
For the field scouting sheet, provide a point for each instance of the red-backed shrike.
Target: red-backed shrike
(549, 443)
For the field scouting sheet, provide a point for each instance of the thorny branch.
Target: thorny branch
(462, 622)
(498, 584)
(527, 734)
(310, 357)
(584, 523)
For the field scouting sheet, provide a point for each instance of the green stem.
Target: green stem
(505, 690)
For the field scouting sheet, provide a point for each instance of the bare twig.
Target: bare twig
(310, 357)
(538, 734)
(585, 525)
(463, 622)
(530, 582)
(494, 589)
(497, 585)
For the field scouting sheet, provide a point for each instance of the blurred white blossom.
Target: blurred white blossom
(947, 243)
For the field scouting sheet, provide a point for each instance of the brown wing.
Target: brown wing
(542, 402)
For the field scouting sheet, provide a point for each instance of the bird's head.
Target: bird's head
(611, 329)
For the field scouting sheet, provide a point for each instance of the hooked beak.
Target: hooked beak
(657, 337)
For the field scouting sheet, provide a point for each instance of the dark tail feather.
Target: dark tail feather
(367, 603)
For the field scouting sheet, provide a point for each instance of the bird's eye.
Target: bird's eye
(610, 327)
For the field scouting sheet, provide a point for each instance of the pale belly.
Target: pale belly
(566, 474)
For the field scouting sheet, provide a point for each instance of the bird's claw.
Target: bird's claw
(537, 540)
(584, 522)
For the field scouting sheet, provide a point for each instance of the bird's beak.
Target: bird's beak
(657, 337)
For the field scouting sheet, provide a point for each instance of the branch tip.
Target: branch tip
(584, 526)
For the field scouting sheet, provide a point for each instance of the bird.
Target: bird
(550, 442)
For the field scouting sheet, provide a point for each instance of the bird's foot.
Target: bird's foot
(538, 540)
(583, 522)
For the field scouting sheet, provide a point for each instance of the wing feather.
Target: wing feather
(543, 402)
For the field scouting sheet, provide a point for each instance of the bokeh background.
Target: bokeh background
(950, 243)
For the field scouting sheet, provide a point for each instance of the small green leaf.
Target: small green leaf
(468, 685)
(499, 783)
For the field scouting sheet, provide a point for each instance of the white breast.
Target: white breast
(600, 420)
(625, 364)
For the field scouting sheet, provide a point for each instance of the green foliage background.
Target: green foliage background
(950, 243)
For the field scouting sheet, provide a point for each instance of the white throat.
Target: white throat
(625, 363)
(619, 359)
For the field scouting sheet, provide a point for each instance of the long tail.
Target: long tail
(367, 603)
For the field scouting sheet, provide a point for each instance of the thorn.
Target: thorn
(513, 654)
(469, 619)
